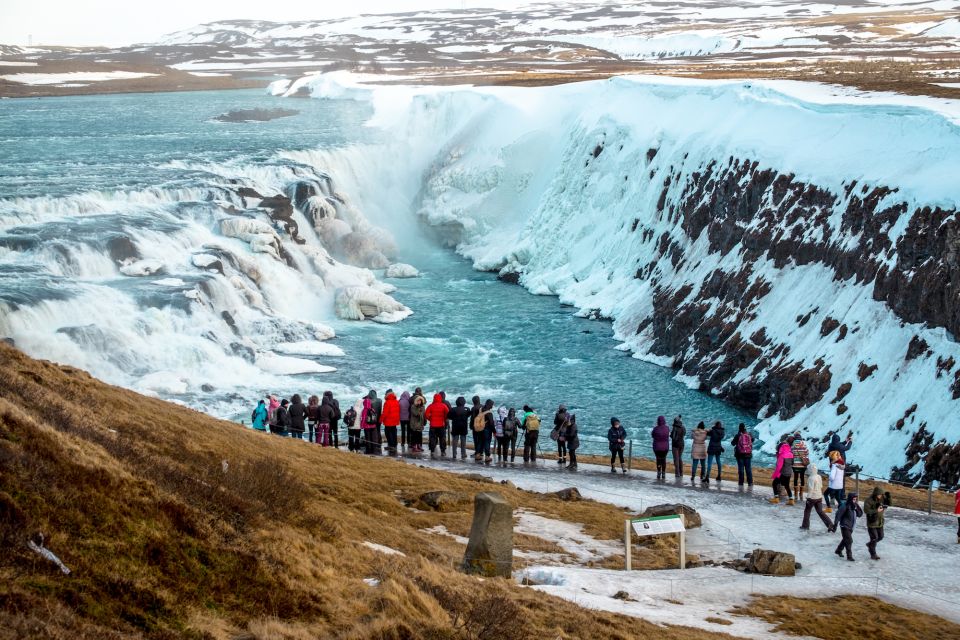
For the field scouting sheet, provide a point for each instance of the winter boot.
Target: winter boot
(624, 469)
(830, 510)
(613, 469)
(790, 502)
(774, 500)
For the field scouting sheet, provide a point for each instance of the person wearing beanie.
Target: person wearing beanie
(874, 507)
(616, 437)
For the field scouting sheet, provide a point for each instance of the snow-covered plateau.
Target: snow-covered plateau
(791, 248)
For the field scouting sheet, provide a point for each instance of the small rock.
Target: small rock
(772, 563)
(443, 500)
(570, 494)
(691, 518)
(623, 595)
(478, 477)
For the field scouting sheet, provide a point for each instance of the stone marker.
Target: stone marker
(772, 563)
(490, 549)
(691, 519)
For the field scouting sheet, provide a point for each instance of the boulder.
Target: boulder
(570, 494)
(490, 549)
(772, 563)
(401, 270)
(691, 518)
(360, 303)
(443, 500)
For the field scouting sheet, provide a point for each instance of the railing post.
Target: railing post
(630, 455)
(628, 541)
(930, 498)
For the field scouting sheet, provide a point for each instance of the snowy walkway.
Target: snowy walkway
(918, 569)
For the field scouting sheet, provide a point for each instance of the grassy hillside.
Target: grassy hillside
(179, 525)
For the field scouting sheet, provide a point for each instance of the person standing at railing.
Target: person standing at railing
(559, 422)
(714, 449)
(677, 435)
(661, 445)
(459, 426)
(511, 428)
(436, 415)
(743, 452)
(835, 483)
(874, 507)
(847, 520)
(814, 498)
(617, 438)
(571, 437)
(390, 418)
(404, 418)
(698, 452)
(801, 458)
(530, 423)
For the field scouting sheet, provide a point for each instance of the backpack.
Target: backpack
(532, 422)
(509, 426)
(371, 417)
(480, 421)
(745, 445)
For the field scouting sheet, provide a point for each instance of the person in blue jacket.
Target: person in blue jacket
(259, 417)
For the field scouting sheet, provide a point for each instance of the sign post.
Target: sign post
(656, 526)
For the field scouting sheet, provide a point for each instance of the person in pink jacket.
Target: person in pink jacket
(783, 471)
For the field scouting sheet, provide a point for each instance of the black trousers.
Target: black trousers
(661, 457)
(391, 434)
(561, 449)
(371, 441)
(678, 462)
(876, 535)
(404, 432)
(530, 445)
(354, 439)
(513, 446)
(438, 436)
(614, 454)
(846, 543)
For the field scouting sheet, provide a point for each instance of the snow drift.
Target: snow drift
(794, 249)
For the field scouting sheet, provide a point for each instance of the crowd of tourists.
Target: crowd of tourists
(497, 433)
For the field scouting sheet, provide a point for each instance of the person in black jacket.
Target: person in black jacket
(847, 519)
(298, 417)
(334, 415)
(477, 435)
(459, 426)
(714, 449)
(328, 416)
(560, 420)
(283, 418)
(677, 434)
(616, 438)
(511, 428)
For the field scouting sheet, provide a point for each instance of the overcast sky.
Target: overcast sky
(120, 22)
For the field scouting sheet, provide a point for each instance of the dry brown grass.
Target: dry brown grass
(132, 495)
(847, 618)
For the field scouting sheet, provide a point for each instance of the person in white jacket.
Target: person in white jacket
(814, 498)
(835, 485)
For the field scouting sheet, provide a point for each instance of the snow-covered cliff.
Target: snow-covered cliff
(791, 248)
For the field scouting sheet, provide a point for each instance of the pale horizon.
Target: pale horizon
(113, 23)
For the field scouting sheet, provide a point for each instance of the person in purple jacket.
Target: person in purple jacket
(404, 417)
(661, 446)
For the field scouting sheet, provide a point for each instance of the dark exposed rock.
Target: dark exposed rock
(842, 392)
(828, 325)
(443, 500)
(865, 371)
(944, 365)
(917, 347)
(841, 409)
(248, 192)
(691, 518)
(122, 249)
(510, 277)
(772, 563)
(570, 494)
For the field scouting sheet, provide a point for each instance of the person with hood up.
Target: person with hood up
(698, 452)
(801, 458)
(283, 418)
(617, 438)
(436, 415)
(272, 423)
(335, 420)
(477, 427)
(846, 520)
(259, 416)
(404, 418)
(531, 434)
(313, 409)
(835, 483)
(391, 421)
(353, 431)
(298, 417)
(677, 434)
(372, 409)
(418, 421)
(483, 425)
(559, 424)
(511, 428)
(499, 416)
(814, 498)
(327, 416)
(446, 428)
(714, 449)
(783, 471)
(661, 446)
(874, 509)
(571, 438)
(743, 451)
(459, 426)
(840, 447)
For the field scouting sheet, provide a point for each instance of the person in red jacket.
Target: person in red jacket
(436, 416)
(390, 418)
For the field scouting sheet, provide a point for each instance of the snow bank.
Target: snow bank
(310, 348)
(285, 365)
(74, 76)
(362, 303)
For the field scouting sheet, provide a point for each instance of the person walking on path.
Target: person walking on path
(874, 508)
(835, 482)
(353, 429)
(259, 416)
(677, 435)
(391, 421)
(298, 417)
(404, 418)
(698, 452)
(418, 421)
(511, 427)
(743, 451)
(782, 472)
(436, 415)
(846, 520)
(616, 437)
(661, 446)
(814, 499)
(571, 439)
(559, 422)
(459, 426)
(714, 449)
(801, 458)
(531, 434)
